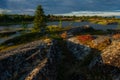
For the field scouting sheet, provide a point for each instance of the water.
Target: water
(13, 27)
(64, 24)
(79, 24)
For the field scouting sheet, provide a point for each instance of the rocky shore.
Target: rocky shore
(40, 60)
(34, 61)
(108, 62)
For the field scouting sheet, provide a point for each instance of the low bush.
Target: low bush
(53, 28)
(64, 35)
(116, 36)
(100, 45)
(85, 38)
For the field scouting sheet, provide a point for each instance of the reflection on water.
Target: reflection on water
(64, 24)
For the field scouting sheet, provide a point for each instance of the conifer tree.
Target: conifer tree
(39, 20)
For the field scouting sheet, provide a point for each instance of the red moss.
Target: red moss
(85, 38)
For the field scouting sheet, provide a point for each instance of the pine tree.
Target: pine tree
(39, 20)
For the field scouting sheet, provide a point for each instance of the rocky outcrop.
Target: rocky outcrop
(49, 71)
(108, 61)
(101, 63)
(81, 29)
(111, 55)
(39, 61)
(80, 51)
(27, 48)
(33, 61)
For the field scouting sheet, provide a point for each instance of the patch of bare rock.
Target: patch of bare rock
(33, 61)
(107, 61)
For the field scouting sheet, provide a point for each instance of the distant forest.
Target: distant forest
(11, 19)
(15, 18)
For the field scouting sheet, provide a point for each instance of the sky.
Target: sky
(62, 7)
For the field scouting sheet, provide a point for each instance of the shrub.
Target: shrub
(116, 36)
(53, 28)
(64, 35)
(85, 38)
(100, 44)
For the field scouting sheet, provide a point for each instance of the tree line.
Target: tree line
(51, 17)
(7, 18)
(14, 18)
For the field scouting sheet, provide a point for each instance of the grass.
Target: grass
(6, 48)
(22, 39)
(104, 21)
(55, 36)
(28, 37)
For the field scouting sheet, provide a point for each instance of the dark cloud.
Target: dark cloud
(3, 4)
(61, 6)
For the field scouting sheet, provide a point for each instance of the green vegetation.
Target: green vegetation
(25, 38)
(24, 27)
(118, 25)
(32, 36)
(93, 19)
(104, 21)
(7, 19)
(39, 21)
(69, 66)
(60, 23)
(53, 28)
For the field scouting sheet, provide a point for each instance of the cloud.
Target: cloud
(16, 0)
(61, 6)
(17, 11)
(23, 11)
(92, 13)
(4, 11)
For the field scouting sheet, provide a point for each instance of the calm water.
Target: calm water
(78, 24)
(64, 24)
(13, 27)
